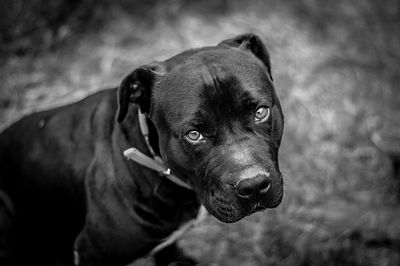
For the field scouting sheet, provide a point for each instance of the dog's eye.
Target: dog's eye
(194, 136)
(262, 114)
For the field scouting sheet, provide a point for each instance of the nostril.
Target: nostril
(260, 184)
(244, 188)
(265, 183)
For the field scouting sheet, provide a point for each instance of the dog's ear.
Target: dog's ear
(253, 44)
(136, 88)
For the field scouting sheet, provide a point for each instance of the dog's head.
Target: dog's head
(219, 123)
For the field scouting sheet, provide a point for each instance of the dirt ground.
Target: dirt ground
(336, 71)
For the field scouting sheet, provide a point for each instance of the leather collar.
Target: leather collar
(154, 162)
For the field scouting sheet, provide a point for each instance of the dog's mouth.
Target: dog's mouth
(226, 213)
(257, 208)
(229, 208)
(231, 213)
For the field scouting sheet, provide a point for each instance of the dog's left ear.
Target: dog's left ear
(136, 88)
(253, 44)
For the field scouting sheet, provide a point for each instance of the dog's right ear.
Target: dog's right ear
(252, 43)
(136, 88)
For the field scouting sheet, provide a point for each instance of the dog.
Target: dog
(211, 117)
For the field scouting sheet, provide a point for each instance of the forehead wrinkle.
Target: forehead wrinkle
(242, 65)
(168, 92)
(223, 94)
(207, 77)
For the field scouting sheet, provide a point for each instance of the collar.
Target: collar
(154, 162)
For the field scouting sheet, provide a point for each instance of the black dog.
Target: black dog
(213, 117)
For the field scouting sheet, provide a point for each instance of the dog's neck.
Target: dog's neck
(150, 156)
(153, 136)
(180, 199)
(133, 136)
(153, 162)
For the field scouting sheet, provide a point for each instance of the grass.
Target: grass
(335, 66)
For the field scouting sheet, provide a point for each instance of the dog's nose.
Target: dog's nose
(253, 186)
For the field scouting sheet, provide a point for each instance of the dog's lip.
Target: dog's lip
(220, 214)
(257, 207)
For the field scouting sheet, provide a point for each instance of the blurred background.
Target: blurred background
(336, 69)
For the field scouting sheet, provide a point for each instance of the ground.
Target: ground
(336, 71)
